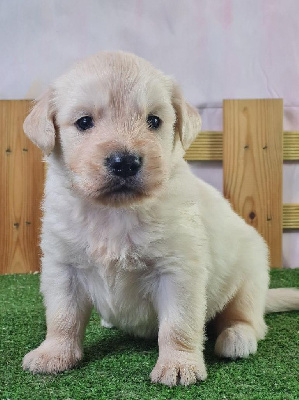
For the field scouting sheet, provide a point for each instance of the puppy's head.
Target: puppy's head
(118, 124)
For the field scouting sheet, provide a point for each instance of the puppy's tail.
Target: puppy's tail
(282, 300)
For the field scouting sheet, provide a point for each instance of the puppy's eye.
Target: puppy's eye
(84, 123)
(153, 122)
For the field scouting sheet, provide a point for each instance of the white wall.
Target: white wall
(215, 49)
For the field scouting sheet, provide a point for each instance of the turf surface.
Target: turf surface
(116, 366)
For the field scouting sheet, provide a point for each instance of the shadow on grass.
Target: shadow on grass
(117, 342)
(114, 342)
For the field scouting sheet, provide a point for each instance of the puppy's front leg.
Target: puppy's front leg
(67, 313)
(181, 306)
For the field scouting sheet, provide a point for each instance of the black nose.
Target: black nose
(124, 164)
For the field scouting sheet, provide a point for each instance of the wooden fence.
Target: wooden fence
(22, 178)
(252, 147)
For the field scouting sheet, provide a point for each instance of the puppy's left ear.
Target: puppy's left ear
(188, 121)
(39, 124)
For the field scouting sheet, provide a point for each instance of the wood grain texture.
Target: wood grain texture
(208, 146)
(291, 216)
(22, 177)
(252, 166)
(291, 146)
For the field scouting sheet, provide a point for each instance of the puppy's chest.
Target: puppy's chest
(122, 277)
(119, 240)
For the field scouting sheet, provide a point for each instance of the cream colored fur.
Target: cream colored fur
(162, 260)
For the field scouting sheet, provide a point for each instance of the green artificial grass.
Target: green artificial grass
(117, 366)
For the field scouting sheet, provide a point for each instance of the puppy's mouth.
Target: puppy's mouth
(121, 186)
(120, 191)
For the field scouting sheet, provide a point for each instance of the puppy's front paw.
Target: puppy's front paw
(178, 370)
(51, 357)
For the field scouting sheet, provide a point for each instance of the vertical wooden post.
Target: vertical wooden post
(252, 166)
(21, 188)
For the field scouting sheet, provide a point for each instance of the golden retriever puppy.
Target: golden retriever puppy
(128, 229)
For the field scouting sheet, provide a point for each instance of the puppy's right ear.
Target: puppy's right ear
(39, 124)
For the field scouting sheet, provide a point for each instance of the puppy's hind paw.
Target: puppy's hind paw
(238, 341)
(106, 324)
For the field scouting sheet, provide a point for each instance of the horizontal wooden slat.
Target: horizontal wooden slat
(208, 147)
(291, 145)
(291, 216)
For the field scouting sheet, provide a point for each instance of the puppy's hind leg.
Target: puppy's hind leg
(241, 324)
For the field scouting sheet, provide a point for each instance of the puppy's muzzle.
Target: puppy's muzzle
(123, 164)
